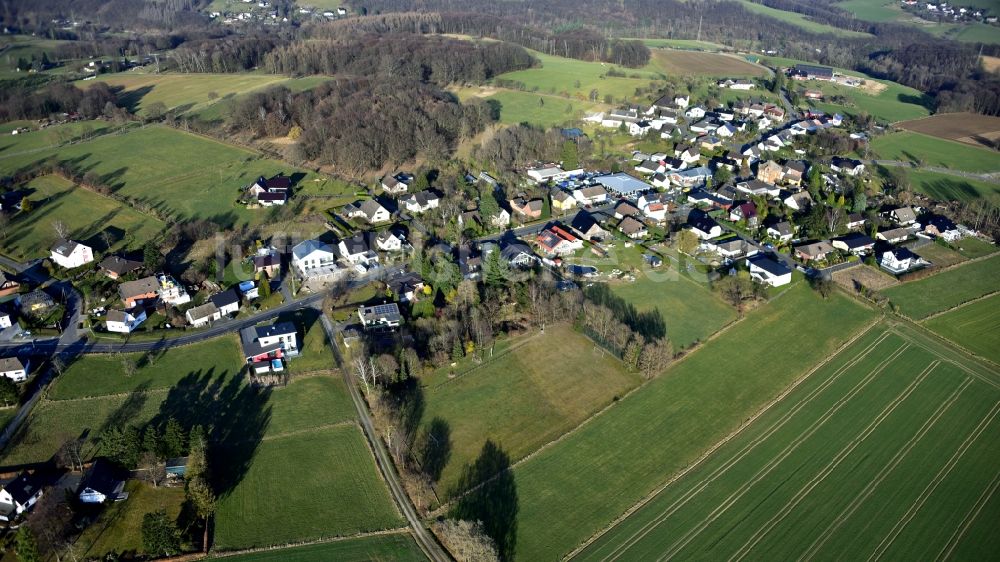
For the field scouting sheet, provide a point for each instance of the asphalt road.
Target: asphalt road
(424, 538)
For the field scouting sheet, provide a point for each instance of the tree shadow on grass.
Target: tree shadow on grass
(650, 324)
(491, 497)
(434, 448)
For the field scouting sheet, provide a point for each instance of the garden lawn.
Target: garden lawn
(179, 174)
(30, 235)
(98, 375)
(975, 326)
(544, 386)
(309, 402)
(974, 247)
(396, 547)
(946, 187)
(306, 486)
(119, 526)
(936, 152)
(919, 299)
(558, 75)
(570, 491)
(314, 352)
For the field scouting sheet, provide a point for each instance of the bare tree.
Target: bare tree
(70, 454)
(62, 231)
(129, 366)
(151, 469)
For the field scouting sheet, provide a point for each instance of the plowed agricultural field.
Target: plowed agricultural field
(970, 128)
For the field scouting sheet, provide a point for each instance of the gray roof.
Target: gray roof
(206, 310)
(119, 265)
(8, 364)
(64, 247)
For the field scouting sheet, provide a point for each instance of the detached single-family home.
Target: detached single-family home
(273, 191)
(268, 262)
(140, 291)
(406, 286)
(691, 177)
(381, 317)
(527, 208)
(798, 201)
(768, 271)
(855, 243)
(562, 201)
(732, 247)
(369, 210)
(625, 209)
(203, 314)
(19, 495)
(943, 228)
(124, 321)
(358, 250)
(900, 260)
(420, 202)
(593, 195)
(103, 482)
(703, 225)
(8, 286)
(390, 241)
(518, 255)
(632, 228)
(35, 303)
(895, 235)
(744, 211)
(847, 166)
(228, 301)
(815, 251)
(903, 216)
(70, 254)
(557, 241)
(14, 369)
(781, 231)
(265, 347)
(855, 221)
(586, 226)
(116, 266)
(396, 184)
(769, 172)
(313, 257)
(758, 188)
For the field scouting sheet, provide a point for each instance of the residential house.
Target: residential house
(358, 250)
(396, 184)
(499, 220)
(268, 262)
(738, 84)
(390, 241)
(639, 128)
(587, 226)
(270, 192)
(855, 243)
(770, 272)
(313, 258)
(407, 286)
(696, 112)
(625, 209)
(593, 195)
(172, 292)
(204, 314)
(70, 254)
(682, 101)
(689, 155)
(381, 317)
(798, 201)
(6, 319)
(249, 289)
(19, 495)
(700, 197)
(781, 231)
(518, 255)
(103, 482)
(703, 225)
(793, 171)
(943, 228)
(895, 235)
(633, 228)
(691, 177)
(758, 188)
(527, 208)
(14, 369)
(8, 286)
(903, 216)
(124, 321)
(900, 260)
(744, 212)
(855, 221)
(816, 251)
(228, 301)
(140, 291)
(733, 247)
(654, 208)
(116, 267)
(266, 347)
(769, 172)
(562, 201)
(557, 241)
(811, 72)
(420, 202)
(847, 166)
(647, 167)
(369, 210)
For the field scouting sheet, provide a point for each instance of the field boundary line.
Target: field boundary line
(115, 395)
(841, 455)
(958, 306)
(933, 484)
(970, 518)
(939, 271)
(955, 347)
(711, 450)
(518, 345)
(884, 472)
(305, 430)
(775, 427)
(230, 553)
(768, 468)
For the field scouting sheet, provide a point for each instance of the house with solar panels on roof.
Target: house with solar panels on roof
(380, 317)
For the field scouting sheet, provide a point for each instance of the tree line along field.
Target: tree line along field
(907, 146)
(570, 491)
(522, 398)
(394, 546)
(921, 298)
(55, 199)
(886, 451)
(974, 326)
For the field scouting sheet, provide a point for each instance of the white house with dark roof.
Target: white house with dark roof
(900, 260)
(228, 301)
(420, 202)
(267, 347)
(19, 495)
(14, 369)
(765, 270)
(703, 226)
(369, 210)
(70, 254)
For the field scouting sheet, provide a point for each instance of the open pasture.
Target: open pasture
(573, 489)
(921, 298)
(382, 548)
(968, 128)
(524, 397)
(799, 20)
(182, 92)
(886, 451)
(312, 485)
(30, 235)
(675, 62)
(946, 187)
(974, 326)
(544, 110)
(937, 152)
(577, 78)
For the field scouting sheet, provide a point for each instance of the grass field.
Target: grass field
(309, 402)
(182, 92)
(681, 44)
(576, 78)
(15, 47)
(30, 235)
(886, 451)
(946, 187)
(675, 62)
(380, 548)
(931, 151)
(180, 174)
(119, 527)
(99, 375)
(894, 103)
(544, 387)
(540, 109)
(573, 489)
(311, 485)
(873, 10)
(975, 326)
(799, 20)
(974, 248)
(919, 299)
(939, 256)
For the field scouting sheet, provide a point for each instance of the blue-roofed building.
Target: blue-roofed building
(623, 185)
(572, 133)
